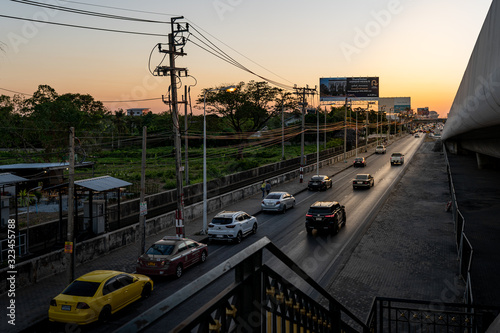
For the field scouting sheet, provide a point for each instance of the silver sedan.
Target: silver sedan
(278, 202)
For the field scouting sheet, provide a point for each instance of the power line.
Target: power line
(83, 27)
(84, 12)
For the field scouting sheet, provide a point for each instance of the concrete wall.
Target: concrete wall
(30, 271)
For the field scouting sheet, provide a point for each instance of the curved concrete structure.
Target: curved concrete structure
(474, 119)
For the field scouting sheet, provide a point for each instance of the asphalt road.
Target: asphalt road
(320, 255)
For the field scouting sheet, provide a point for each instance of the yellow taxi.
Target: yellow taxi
(97, 295)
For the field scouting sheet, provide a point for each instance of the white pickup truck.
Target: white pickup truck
(397, 158)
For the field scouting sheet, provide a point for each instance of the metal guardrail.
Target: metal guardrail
(464, 247)
(403, 315)
(259, 299)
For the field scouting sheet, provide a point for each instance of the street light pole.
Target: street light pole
(228, 89)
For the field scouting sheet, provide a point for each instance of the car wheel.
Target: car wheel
(254, 228)
(239, 237)
(284, 209)
(203, 256)
(146, 291)
(105, 314)
(178, 271)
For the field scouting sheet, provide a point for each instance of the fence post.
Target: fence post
(249, 272)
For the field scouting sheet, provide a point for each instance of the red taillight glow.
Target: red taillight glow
(330, 215)
(82, 305)
(230, 226)
(309, 215)
(210, 225)
(277, 203)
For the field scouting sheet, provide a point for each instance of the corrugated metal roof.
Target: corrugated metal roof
(8, 178)
(103, 183)
(40, 165)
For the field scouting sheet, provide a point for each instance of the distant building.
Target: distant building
(423, 111)
(433, 114)
(135, 112)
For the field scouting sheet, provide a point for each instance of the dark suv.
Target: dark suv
(325, 215)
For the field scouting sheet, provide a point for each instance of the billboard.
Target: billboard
(394, 104)
(338, 88)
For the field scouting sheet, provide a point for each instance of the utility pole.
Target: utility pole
(69, 249)
(142, 202)
(173, 41)
(186, 164)
(345, 129)
(325, 128)
(303, 92)
(282, 131)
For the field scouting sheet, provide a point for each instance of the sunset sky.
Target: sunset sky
(418, 48)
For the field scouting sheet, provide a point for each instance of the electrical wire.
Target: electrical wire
(83, 27)
(84, 12)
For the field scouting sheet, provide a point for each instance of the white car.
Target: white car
(380, 149)
(278, 202)
(232, 226)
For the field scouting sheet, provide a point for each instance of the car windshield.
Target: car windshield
(161, 249)
(82, 288)
(361, 176)
(359, 159)
(274, 196)
(222, 220)
(380, 147)
(319, 210)
(316, 179)
(396, 154)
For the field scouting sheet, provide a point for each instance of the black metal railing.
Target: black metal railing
(464, 247)
(402, 315)
(259, 299)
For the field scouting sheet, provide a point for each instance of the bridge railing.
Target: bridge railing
(404, 315)
(464, 247)
(259, 299)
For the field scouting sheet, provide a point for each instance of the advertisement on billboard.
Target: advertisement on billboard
(338, 88)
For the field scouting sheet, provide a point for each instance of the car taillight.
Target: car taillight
(365, 182)
(309, 215)
(230, 226)
(53, 302)
(330, 215)
(210, 225)
(322, 182)
(277, 203)
(354, 182)
(82, 305)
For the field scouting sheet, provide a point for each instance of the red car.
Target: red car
(170, 256)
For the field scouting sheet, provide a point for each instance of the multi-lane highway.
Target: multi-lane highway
(320, 255)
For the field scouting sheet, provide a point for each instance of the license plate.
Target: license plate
(360, 182)
(219, 236)
(315, 183)
(66, 307)
(319, 218)
(151, 264)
